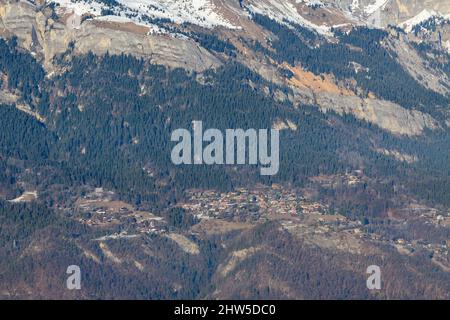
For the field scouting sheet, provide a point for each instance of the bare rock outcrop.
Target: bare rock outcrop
(38, 32)
(385, 114)
(416, 66)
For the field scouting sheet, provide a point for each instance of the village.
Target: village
(312, 220)
(295, 212)
(252, 205)
(99, 209)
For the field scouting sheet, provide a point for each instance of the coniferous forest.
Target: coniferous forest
(96, 134)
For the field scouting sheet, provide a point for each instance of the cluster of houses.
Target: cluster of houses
(99, 209)
(250, 204)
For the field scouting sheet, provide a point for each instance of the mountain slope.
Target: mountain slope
(90, 93)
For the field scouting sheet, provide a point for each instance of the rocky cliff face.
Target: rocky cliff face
(381, 13)
(91, 182)
(50, 28)
(38, 31)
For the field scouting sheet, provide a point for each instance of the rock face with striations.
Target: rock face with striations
(387, 115)
(38, 32)
(159, 49)
(47, 36)
(381, 13)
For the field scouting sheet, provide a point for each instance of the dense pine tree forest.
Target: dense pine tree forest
(109, 102)
(107, 118)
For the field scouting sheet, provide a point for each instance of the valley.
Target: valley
(91, 91)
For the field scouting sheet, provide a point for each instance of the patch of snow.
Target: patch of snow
(447, 47)
(336, 26)
(111, 18)
(354, 6)
(311, 3)
(285, 13)
(199, 12)
(374, 7)
(80, 7)
(423, 16)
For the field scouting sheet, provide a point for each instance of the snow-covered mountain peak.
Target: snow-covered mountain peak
(199, 12)
(286, 11)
